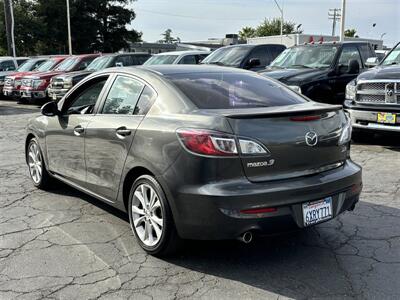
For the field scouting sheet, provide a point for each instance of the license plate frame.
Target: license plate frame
(386, 118)
(315, 212)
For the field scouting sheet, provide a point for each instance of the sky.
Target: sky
(194, 20)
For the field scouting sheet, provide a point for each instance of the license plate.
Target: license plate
(317, 211)
(386, 118)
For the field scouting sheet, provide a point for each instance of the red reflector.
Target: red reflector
(305, 118)
(259, 210)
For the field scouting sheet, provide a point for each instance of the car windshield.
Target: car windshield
(228, 56)
(161, 60)
(233, 90)
(100, 63)
(317, 56)
(67, 64)
(393, 58)
(47, 65)
(27, 66)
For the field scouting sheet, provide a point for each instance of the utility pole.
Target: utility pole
(334, 15)
(69, 30)
(342, 20)
(9, 20)
(281, 10)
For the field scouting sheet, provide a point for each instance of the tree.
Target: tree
(350, 33)
(168, 38)
(247, 32)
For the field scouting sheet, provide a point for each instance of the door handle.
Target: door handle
(123, 131)
(78, 130)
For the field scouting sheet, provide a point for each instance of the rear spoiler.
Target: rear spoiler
(310, 108)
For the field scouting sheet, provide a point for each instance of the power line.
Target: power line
(334, 15)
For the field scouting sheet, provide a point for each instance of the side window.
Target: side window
(366, 52)
(261, 54)
(200, 57)
(188, 60)
(84, 63)
(21, 61)
(275, 51)
(139, 59)
(85, 101)
(349, 53)
(145, 102)
(123, 60)
(7, 65)
(123, 96)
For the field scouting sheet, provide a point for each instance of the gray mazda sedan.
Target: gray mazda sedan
(197, 152)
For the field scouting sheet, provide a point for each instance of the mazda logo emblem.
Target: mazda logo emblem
(311, 138)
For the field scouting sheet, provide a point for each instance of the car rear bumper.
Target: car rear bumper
(213, 211)
(365, 117)
(56, 94)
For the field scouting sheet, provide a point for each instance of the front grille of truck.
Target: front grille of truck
(57, 83)
(378, 92)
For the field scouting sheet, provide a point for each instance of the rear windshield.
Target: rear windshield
(161, 60)
(233, 90)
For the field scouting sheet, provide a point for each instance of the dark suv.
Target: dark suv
(250, 57)
(321, 71)
(61, 84)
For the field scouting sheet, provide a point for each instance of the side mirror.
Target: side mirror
(50, 109)
(119, 64)
(372, 62)
(253, 62)
(354, 67)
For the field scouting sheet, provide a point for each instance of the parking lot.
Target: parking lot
(66, 245)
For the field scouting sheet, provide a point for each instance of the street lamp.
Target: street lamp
(281, 10)
(69, 30)
(382, 35)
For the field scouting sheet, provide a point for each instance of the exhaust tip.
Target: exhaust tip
(246, 237)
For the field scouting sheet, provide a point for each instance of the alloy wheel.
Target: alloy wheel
(147, 215)
(35, 163)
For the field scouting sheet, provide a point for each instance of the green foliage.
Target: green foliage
(168, 38)
(247, 32)
(96, 25)
(350, 33)
(268, 27)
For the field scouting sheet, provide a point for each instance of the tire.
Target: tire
(38, 172)
(157, 243)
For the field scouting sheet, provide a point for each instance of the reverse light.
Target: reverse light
(207, 142)
(251, 147)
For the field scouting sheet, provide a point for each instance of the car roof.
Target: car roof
(124, 53)
(185, 52)
(184, 69)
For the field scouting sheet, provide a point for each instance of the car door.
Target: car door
(349, 52)
(110, 134)
(66, 133)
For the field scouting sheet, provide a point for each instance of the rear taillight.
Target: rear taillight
(305, 118)
(207, 142)
(214, 143)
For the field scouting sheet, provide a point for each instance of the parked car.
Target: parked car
(373, 98)
(177, 57)
(7, 66)
(24, 68)
(207, 152)
(34, 87)
(13, 82)
(380, 54)
(61, 84)
(250, 57)
(321, 71)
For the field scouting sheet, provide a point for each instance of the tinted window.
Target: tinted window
(188, 60)
(84, 63)
(123, 96)
(86, 100)
(262, 54)
(349, 53)
(7, 65)
(228, 56)
(161, 60)
(125, 60)
(139, 59)
(145, 102)
(366, 52)
(233, 90)
(21, 61)
(393, 57)
(275, 51)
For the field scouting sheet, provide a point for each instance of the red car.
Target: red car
(34, 87)
(12, 82)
